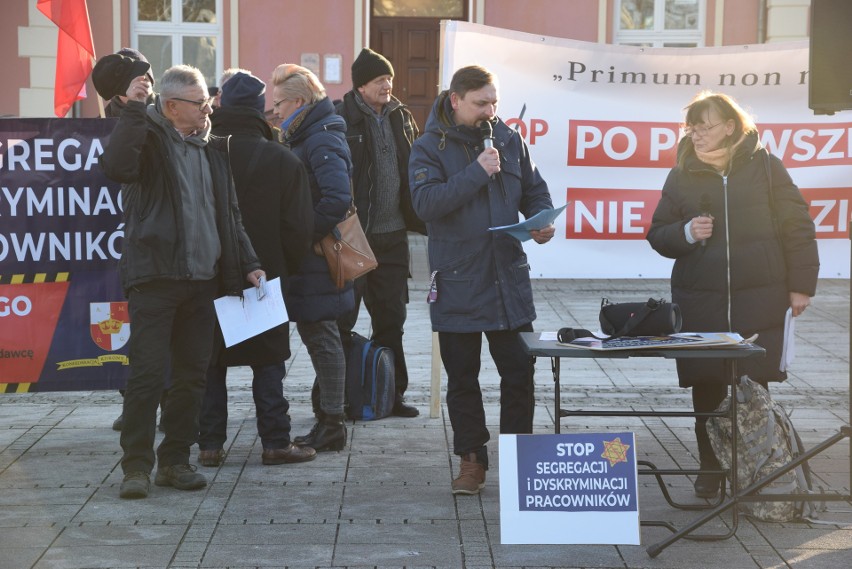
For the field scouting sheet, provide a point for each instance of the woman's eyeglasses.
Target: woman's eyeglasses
(690, 130)
(201, 104)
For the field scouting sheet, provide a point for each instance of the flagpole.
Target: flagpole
(101, 111)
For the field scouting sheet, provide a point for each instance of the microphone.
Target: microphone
(704, 206)
(487, 132)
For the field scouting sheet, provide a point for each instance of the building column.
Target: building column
(37, 42)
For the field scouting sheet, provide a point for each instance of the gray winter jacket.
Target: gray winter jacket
(483, 277)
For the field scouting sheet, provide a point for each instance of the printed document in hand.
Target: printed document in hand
(256, 312)
(521, 231)
(788, 350)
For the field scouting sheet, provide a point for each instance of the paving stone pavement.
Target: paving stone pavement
(385, 501)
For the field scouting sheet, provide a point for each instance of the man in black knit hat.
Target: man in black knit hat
(380, 131)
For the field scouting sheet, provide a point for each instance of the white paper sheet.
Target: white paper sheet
(243, 318)
(788, 350)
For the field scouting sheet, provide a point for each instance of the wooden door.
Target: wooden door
(411, 45)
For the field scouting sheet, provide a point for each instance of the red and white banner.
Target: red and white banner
(602, 122)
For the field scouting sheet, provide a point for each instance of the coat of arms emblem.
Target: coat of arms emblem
(109, 324)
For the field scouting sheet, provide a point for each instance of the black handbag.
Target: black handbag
(656, 317)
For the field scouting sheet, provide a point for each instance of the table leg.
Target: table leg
(435, 384)
(557, 410)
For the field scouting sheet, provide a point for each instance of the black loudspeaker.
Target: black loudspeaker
(830, 69)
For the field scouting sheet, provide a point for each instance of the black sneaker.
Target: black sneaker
(135, 485)
(180, 476)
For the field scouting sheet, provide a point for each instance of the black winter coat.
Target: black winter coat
(763, 247)
(320, 143)
(275, 201)
(154, 241)
(359, 136)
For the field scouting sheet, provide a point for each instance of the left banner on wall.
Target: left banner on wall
(64, 322)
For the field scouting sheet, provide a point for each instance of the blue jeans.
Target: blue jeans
(170, 321)
(273, 423)
(460, 353)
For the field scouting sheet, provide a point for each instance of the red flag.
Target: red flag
(75, 51)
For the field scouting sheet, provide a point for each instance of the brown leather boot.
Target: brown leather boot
(211, 457)
(471, 477)
(289, 455)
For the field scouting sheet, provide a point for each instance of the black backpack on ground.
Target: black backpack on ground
(370, 385)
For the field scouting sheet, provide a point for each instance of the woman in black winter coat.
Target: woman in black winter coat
(317, 136)
(744, 248)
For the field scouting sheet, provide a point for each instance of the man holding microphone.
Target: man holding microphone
(461, 185)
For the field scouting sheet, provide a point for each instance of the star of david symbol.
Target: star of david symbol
(615, 451)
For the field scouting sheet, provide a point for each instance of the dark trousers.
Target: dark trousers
(460, 353)
(273, 424)
(385, 294)
(170, 321)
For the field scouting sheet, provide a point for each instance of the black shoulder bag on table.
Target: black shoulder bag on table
(656, 317)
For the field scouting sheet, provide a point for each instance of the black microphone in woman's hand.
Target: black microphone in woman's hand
(704, 206)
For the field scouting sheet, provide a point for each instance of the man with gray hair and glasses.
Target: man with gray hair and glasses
(184, 245)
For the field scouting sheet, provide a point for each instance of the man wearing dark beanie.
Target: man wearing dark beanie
(277, 212)
(380, 131)
(244, 90)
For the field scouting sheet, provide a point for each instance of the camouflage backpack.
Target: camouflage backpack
(767, 440)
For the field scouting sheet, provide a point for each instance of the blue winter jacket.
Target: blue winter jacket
(483, 277)
(320, 143)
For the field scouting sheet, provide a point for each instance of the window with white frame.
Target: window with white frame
(170, 32)
(660, 23)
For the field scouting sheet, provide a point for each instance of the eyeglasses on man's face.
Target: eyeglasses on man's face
(276, 103)
(207, 102)
(701, 130)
